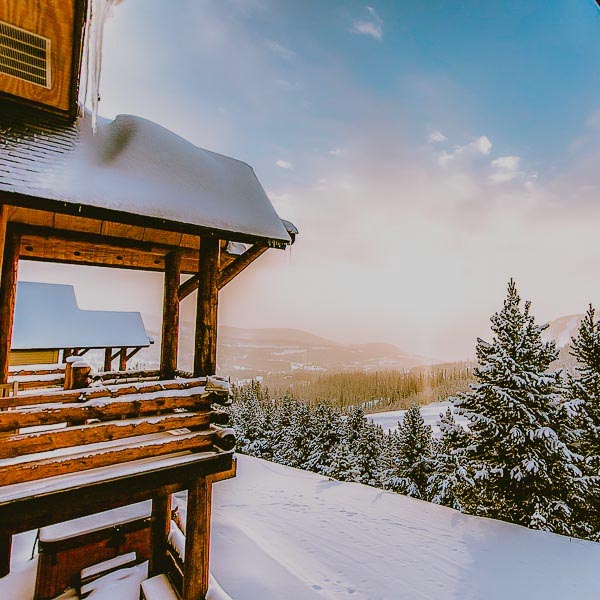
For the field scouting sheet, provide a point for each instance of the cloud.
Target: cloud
(505, 168)
(436, 136)
(336, 151)
(372, 27)
(280, 50)
(480, 146)
(284, 164)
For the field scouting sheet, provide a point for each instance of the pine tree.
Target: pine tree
(413, 462)
(521, 469)
(367, 452)
(448, 474)
(326, 424)
(584, 402)
(296, 445)
(342, 467)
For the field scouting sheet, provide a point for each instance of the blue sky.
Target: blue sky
(428, 150)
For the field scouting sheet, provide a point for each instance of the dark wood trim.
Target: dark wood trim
(205, 348)
(8, 295)
(133, 352)
(5, 551)
(170, 320)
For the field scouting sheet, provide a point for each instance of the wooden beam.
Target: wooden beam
(133, 352)
(159, 533)
(5, 551)
(197, 540)
(240, 263)
(109, 409)
(3, 224)
(205, 349)
(30, 470)
(8, 294)
(187, 287)
(107, 359)
(66, 437)
(123, 359)
(232, 270)
(170, 322)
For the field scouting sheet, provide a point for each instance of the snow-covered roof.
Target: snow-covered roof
(47, 317)
(134, 167)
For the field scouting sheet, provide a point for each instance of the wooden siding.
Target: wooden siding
(32, 357)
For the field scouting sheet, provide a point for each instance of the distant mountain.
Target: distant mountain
(561, 330)
(248, 353)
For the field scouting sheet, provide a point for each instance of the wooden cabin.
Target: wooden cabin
(131, 195)
(49, 327)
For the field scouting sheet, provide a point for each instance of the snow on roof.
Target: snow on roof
(47, 317)
(133, 166)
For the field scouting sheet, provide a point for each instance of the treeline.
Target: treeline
(380, 390)
(530, 454)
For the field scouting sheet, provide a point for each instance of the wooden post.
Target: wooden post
(159, 533)
(197, 540)
(3, 224)
(123, 359)
(5, 550)
(107, 359)
(8, 294)
(205, 350)
(170, 323)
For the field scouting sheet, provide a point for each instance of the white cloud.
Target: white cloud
(284, 164)
(505, 168)
(373, 27)
(476, 148)
(437, 136)
(336, 151)
(280, 50)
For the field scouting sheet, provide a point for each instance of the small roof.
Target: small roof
(47, 317)
(131, 166)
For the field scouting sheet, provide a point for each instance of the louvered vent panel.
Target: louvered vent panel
(24, 55)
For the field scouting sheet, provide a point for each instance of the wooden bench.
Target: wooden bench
(67, 454)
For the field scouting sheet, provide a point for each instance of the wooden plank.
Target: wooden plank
(187, 287)
(112, 455)
(103, 410)
(112, 391)
(240, 263)
(5, 551)
(159, 532)
(43, 441)
(197, 540)
(205, 347)
(170, 321)
(8, 294)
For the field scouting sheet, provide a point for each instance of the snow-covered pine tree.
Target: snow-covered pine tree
(447, 472)
(522, 470)
(413, 462)
(584, 400)
(367, 452)
(296, 445)
(326, 424)
(388, 458)
(285, 408)
(342, 467)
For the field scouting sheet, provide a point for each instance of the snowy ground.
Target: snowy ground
(284, 533)
(431, 414)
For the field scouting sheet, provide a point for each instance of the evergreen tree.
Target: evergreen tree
(326, 424)
(584, 402)
(367, 451)
(448, 473)
(296, 446)
(521, 469)
(413, 462)
(343, 466)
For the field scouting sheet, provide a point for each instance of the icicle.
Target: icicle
(98, 13)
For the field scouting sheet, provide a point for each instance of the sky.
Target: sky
(428, 151)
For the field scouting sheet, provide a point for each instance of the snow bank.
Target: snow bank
(430, 412)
